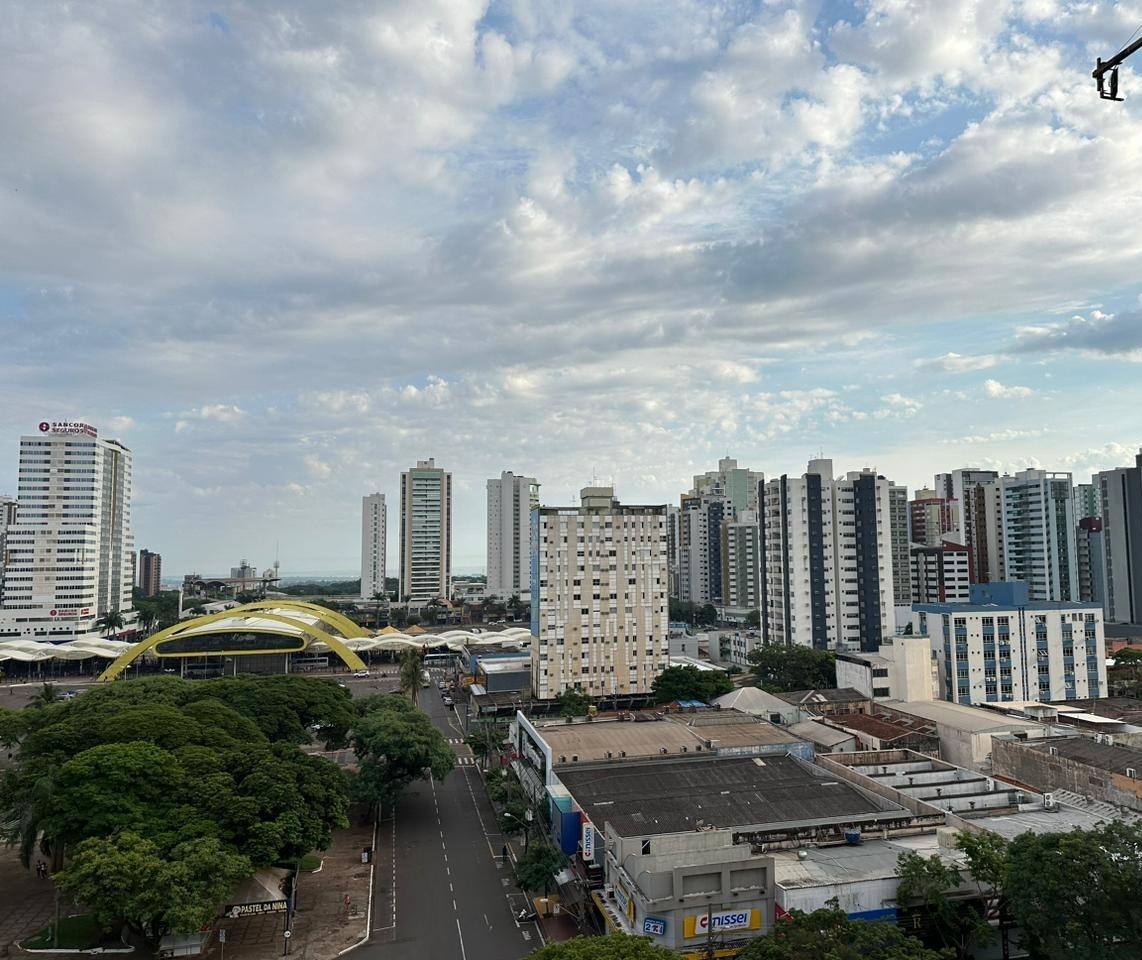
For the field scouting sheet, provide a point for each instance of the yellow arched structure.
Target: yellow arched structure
(255, 618)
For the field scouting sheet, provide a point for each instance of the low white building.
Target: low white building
(1003, 647)
(901, 669)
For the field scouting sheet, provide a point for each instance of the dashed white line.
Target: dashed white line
(460, 934)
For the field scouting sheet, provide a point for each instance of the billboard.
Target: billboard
(68, 428)
(722, 922)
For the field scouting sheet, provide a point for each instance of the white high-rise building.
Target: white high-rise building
(69, 551)
(374, 534)
(830, 558)
(973, 498)
(598, 597)
(1039, 545)
(426, 533)
(510, 502)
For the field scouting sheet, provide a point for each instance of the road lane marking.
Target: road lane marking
(460, 934)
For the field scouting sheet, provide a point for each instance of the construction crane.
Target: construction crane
(1109, 90)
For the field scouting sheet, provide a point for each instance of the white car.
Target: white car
(361, 674)
(447, 701)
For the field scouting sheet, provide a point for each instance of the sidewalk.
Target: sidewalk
(331, 909)
(29, 903)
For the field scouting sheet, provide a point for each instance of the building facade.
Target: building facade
(598, 596)
(1003, 646)
(69, 550)
(898, 531)
(150, 572)
(741, 563)
(700, 520)
(7, 520)
(426, 533)
(930, 517)
(942, 573)
(510, 502)
(865, 559)
(972, 493)
(1039, 534)
(1120, 493)
(1091, 552)
(374, 540)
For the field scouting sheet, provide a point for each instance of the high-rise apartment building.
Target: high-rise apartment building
(941, 574)
(741, 487)
(510, 502)
(700, 521)
(7, 519)
(1003, 646)
(426, 532)
(1039, 534)
(598, 596)
(1088, 499)
(931, 517)
(741, 563)
(828, 547)
(1091, 553)
(898, 533)
(1120, 494)
(150, 572)
(374, 544)
(69, 549)
(975, 515)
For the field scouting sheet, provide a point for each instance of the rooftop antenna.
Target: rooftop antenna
(1108, 89)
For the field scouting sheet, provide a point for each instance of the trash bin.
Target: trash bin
(367, 855)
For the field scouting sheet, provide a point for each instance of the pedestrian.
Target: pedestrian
(505, 853)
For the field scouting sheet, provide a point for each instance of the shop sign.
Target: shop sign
(234, 910)
(654, 927)
(702, 924)
(588, 841)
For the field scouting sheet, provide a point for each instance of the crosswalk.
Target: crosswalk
(455, 740)
(466, 761)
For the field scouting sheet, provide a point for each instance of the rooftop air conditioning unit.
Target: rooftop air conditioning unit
(1049, 801)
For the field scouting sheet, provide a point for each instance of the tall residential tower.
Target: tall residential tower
(426, 532)
(510, 502)
(374, 537)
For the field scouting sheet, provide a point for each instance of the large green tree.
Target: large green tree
(126, 879)
(535, 871)
(689, 683)
(829, 934)
(1075, 895)
(396, 744)
(926, 887)
(780, 668)
(615, 946)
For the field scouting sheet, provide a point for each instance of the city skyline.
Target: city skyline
(621, 243)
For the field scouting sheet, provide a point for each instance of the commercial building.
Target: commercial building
(1039, 534)
(510, 502)
(68, 553)
(1004, 646)
(598, 596)
(426, 533)
(1120, 493)
(941, 573)
(374, 540)
(902, 668)
(150, 572)
(1098, 767)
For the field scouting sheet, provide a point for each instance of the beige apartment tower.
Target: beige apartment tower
(599, 596)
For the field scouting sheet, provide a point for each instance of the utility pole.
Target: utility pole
(1104, 67)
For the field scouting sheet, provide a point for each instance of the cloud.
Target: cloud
(999, 391)
(956, 363)
(1101, 335)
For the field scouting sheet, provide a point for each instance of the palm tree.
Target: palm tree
(410, 672)
(378, 597)
(147, 620)
(111, 623)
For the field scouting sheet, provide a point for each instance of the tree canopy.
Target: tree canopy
(829, 934)
(780, 668)
(192, 783)
(615, 946)
(689, 683)
(535, 870)
(573, 703)
(396, 743)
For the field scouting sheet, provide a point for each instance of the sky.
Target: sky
(283, 250)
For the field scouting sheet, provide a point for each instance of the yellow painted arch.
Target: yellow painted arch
(329, 617)
(308, 632)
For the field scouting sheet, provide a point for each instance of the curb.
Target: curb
(369, 909)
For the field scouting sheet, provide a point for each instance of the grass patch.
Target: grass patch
(309, 863)
(75, 933)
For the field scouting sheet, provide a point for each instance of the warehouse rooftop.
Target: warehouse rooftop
(748, 794)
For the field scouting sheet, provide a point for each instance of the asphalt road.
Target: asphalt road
(450, 896)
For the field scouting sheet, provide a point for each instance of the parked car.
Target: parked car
(362, 673)
(448, 701)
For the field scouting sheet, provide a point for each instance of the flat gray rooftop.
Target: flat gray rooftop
(747, 793)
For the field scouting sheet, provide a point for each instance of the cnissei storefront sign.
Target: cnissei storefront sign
(68, 427)
(234, 910)
(725, 922)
